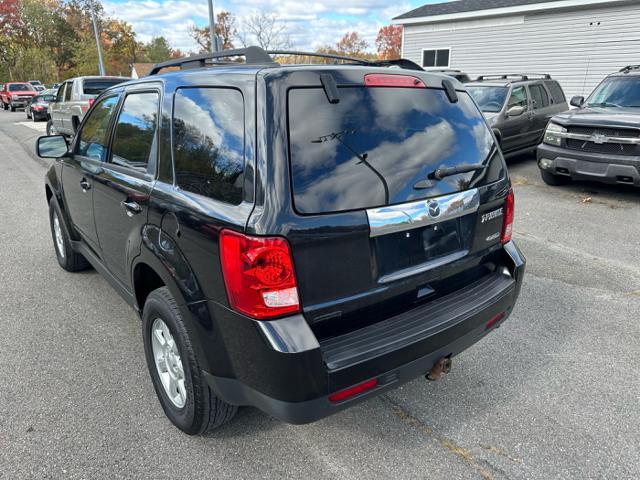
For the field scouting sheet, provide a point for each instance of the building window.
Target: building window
(436, 58)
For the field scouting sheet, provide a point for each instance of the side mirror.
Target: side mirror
(54, 146)
(577, 101)
(515, 111)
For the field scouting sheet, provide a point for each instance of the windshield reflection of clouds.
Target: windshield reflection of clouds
(403, 134)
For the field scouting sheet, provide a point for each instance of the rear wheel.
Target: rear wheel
(12, 108)
(69, 259)
(51, 130)
(177, 378)
(554, 180)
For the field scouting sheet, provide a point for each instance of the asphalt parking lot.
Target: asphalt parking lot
(554, 393)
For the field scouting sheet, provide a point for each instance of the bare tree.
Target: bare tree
(264, 30)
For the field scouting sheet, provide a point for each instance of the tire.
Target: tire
(554, 180)
(199, 411)
(12, 108)
(75, 123)
(51, 129)
(68, 259)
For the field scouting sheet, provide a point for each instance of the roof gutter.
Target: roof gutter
(495, 12)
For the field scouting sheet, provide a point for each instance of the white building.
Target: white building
(577, 41)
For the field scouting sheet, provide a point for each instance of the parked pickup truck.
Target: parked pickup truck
(16, 95)
(74, 98)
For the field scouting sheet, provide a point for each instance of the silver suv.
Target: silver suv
(518, 107)
(74, 98)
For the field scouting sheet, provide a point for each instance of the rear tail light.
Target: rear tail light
(91, 100)
(353, 391)
(390, 80)
(507, 228)
(258, 275)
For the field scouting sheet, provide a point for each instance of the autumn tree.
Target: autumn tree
(350, 45)
(389, 42)
(264, 30)
(226, 29)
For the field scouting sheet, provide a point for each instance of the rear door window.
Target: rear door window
(539, 96)
(377, 146)
(208, 140)
(135, 138)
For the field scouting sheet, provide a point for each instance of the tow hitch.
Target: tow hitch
(441, 367)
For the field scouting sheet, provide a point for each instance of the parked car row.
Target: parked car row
(597, 140)
(62, 106)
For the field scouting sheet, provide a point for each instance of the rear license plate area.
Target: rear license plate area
(409, 248)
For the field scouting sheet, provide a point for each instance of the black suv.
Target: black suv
(295, 237)
(518, 107)
(599, 140)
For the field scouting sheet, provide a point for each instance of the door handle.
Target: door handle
(85, 185)
(131, 208)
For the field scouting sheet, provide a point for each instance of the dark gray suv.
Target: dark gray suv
(518, 107)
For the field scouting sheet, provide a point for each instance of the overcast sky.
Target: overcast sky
(309, 24)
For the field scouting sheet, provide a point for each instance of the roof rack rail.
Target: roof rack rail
(259, 56)
(628, 68)
(252, 55)
(521, 76)
(399, 62)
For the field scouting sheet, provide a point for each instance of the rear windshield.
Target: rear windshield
(96, 87)
(20, 87)
(377, 147)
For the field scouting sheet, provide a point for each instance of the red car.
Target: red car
(16, 95)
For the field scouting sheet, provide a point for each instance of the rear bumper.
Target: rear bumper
(613, 169)
(294, 386)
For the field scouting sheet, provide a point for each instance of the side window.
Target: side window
(539, 96)
(436, 58)
(135, 139)
(556, 92)
(67, 92)
(60, 94)
(208, 139)
(518, 98)
(94, 136)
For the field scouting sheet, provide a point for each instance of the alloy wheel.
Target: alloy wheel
(168, 363)
(57, 231)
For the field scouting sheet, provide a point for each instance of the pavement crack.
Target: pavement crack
(484, 469)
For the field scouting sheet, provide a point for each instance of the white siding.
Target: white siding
(577, 47)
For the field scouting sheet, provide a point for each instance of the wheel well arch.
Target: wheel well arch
(145, 281)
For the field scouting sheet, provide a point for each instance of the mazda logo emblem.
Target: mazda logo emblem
(433, 208)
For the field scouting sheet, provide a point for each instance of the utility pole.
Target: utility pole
(212, 29)
(95, 31)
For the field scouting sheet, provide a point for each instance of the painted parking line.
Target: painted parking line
(38, 126)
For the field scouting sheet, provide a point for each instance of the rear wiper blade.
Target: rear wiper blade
(440, 173)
